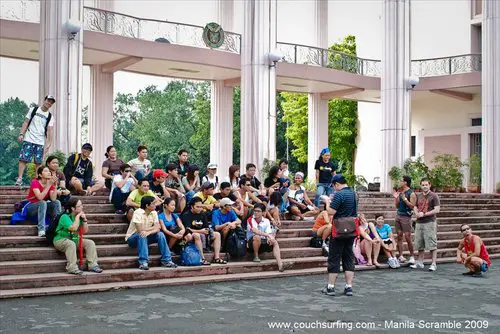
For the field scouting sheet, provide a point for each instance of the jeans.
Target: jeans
(118, 198)
(322, 189)
(142, 243)
(41, 209)
(189, 195)
(140, 175)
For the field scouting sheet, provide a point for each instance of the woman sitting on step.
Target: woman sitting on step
(67, 238)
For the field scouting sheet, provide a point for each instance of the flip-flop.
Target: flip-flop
(205, 262)
(219, 261)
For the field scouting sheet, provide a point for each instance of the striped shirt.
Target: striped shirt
(344, 203)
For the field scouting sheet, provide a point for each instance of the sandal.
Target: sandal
(205, 262)
(219, 261)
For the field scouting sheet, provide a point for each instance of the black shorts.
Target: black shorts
(264, 246)
(301, 210)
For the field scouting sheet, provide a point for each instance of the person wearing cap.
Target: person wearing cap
(35, 136)
(226, 192)
(300, 204)
(158, 185)
(211, 177)
(343, 205)
(224, 219)
(209, 203)
(79, 171)
(325, 170)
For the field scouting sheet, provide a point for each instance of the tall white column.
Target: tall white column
(258, 83)
(395, 96)
(490, 103)
(100, 115)
(101, 107)
(60, 69)
(221, 106)
(317, 117)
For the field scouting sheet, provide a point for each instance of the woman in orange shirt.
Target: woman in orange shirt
(322, 227)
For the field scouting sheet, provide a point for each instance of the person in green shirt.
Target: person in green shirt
(66, 237)
(134, 199)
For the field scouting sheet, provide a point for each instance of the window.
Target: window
(413, 148)
(477, 7)
(477, 121)
(475, 144)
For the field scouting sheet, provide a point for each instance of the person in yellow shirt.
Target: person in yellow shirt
(209, 203)
(134, 199)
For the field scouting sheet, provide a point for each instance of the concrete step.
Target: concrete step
(94, 208)
(11, 199)
(442, 214)
(177, 281)
(133, 274)
(449, 206)
(18, 230)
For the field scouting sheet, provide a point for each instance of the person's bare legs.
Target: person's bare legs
(77, 185)
(277, 253)
(21, 168)
(400, 243)
(367, 247)
(171, 242)
(216, 245)
(409, 242)
(256, 245)
(276, 216)
(296, 212)
(349, 276)
(376, 252)
(434, 253)
(97, 186)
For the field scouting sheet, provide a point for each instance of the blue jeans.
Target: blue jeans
(322, 189)
(139, 175)
(142, 243)
(118, 199)
(189, 195)
(40, 209)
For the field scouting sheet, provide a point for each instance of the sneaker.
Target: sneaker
(411, 260)
(417, 265)
(168, 264)
(469, 273)
(401, 259)
(327, 291)
(432, 267)
(348, 291)
(19, 182)
(41, 234)
(75, 272)
(392, 263)
(144, 266)
(396, 262)
(478, 274)
(256, 259)
(119, 212)
(326, 249)
(96, 269)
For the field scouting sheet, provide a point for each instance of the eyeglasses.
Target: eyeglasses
(127, 171)
(465, 229)
(247, 184)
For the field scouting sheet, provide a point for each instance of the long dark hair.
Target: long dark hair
(190, 172)
(273, 172)
(232, 171)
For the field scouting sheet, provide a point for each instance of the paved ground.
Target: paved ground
(405, 297)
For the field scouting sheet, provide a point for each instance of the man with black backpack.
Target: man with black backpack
(35, 136)
(344, 230)
(225, 220)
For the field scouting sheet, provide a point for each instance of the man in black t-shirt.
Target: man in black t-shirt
(325, 170)
(79, 172)
(196, 223)
(225, 192)
(257, 186)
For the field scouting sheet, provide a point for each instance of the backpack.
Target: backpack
(69, 169)
(316, 242)
(206, 180)
(50, 231)
(33, 113)
(190, 256)
(236, 243)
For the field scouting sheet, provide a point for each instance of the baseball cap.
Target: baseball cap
(211, 165)
(87, 146)
(207, 185)
(338, 178)
(225, 201)
(50, 97)
(159, 173)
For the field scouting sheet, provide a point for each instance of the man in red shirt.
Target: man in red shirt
(472, 253)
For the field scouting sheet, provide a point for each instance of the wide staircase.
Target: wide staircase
(30, 267)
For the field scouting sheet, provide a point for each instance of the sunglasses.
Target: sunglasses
(465, 229)
(127, 171)
(247, 184)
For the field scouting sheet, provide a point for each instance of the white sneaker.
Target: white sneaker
(392, 263)
(326, 249)
(411, 260)
(397, 263)
(402, 259)
(433, 267)
(41, 233)
(417, 265)
(19, 181)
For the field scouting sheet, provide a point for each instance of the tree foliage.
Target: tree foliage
(342, 114)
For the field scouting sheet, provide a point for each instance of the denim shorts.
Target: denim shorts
(30, 151)
(484, 266)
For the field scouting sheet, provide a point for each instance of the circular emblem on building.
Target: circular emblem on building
(213, 35)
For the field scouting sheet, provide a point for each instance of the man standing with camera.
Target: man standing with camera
(344, 230)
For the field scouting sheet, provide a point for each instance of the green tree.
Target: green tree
(342, 114)
(124, 119)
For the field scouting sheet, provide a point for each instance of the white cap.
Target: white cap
(225, 201)
(212, 165)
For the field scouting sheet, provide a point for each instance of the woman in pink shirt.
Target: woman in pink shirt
(42, 198)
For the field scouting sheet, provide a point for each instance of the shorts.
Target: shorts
(426, 236)
(403, 223)
(264, 246)
(84, 185)
(484, 266)
(315, 234)
(30, 151)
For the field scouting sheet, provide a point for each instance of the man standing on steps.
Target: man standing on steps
(35, 136)
(426, 227)
(405, 201)
(344, 230)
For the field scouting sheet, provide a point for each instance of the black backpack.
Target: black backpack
(236, 243)
(316, 242)
(33, 113)
(50, 232)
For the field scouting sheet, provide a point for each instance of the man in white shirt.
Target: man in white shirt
(35, 136)
(141, 166)
(260, 236)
